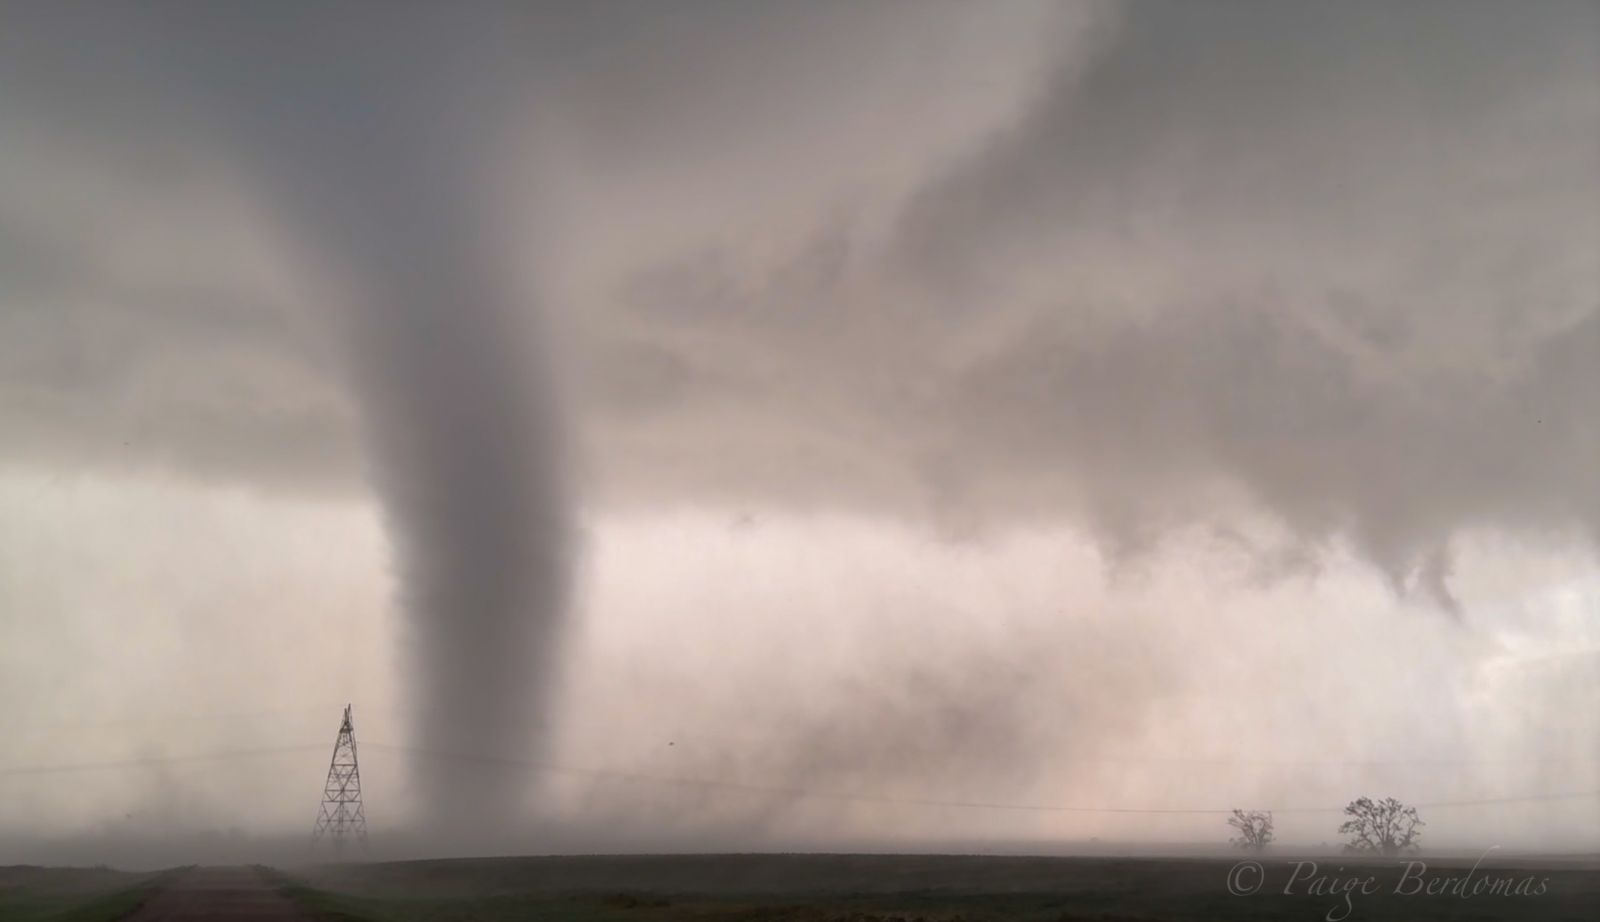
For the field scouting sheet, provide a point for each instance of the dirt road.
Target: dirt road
(221, 894)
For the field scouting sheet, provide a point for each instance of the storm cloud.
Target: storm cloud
(1315, 283)
(1337, 263)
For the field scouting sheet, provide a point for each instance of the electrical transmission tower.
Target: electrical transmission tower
(341, 817)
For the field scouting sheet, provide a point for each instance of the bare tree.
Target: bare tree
(1255, 829)
(1385, 827)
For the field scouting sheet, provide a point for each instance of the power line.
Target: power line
(30, 730)
(612, 775)
(151, 761)
(748, 787)
(25, 730)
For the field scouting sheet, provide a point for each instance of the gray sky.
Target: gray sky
(955, 402)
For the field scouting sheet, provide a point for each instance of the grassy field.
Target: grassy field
(35, 894)
(854, 888)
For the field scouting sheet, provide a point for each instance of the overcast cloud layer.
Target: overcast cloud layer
(1338, 261)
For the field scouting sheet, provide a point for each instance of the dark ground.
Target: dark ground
(201, 894)
(817, 888)
(872, 888)
(29, 893)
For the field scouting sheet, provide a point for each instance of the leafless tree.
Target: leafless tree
(1384, 827)
(1255, 829)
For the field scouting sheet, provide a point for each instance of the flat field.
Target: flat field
(29, 893)
(877, 888)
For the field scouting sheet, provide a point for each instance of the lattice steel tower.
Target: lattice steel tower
(341, 817)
